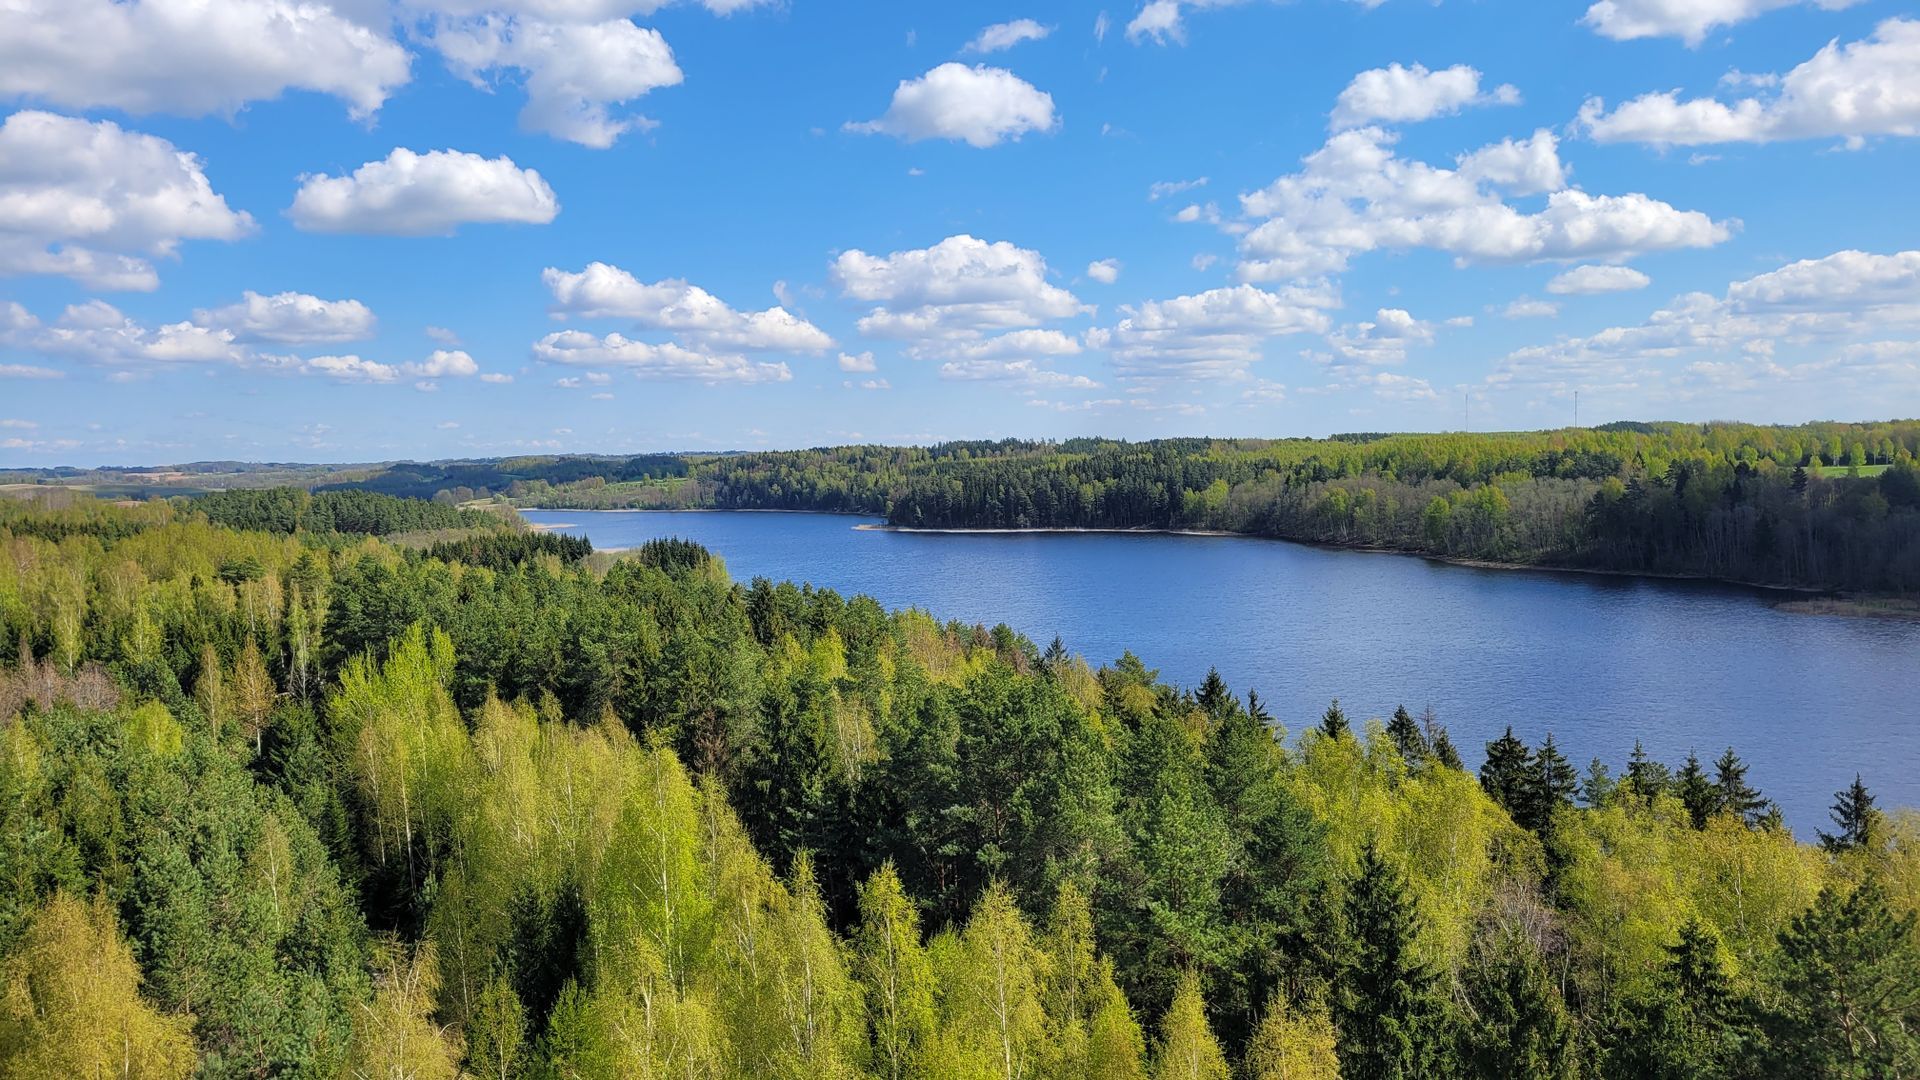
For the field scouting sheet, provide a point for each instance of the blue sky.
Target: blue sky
(263, 229)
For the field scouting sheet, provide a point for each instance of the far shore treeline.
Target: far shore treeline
(374, 788)
(1824, 506)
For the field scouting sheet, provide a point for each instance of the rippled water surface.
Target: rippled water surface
(1598, 661)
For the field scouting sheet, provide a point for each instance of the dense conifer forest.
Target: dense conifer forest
(280, 797)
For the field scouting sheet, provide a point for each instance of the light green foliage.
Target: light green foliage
(70, 1004)
(1187, 1050)
(895, 976)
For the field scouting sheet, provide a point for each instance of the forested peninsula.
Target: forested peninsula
(352, 786)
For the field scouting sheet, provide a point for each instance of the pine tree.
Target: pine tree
(1846, 999)
(1696, 792)
(1734, 795)
(1859, 821)
(1384, 1009)
(1407, 738)
(1504, 775)
(1333, 723)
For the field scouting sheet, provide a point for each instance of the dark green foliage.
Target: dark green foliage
(1548, 784)
(1846, 1000)
(1646, 777)
(1389, 1022)
(1408, 738)
(498, 551)
(1732, 794)
(1856, 818)
(1516, 1023)
(673, 555)
(1690, 1027)
(286, 510)
(1696, 792)
(1506, 772)
(1333, 723)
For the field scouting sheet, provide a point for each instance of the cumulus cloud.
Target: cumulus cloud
(1356, 195)
(650, 361)
(430, 194)
(1219, 332)
(604, 291)
(1002, 36)
(1592, 280)
(960, 287)
(980, 106)
(1689, 20)
(1105, 271)
(192, 57)
(1385, 339)
(1832, 311)
(1162, 21)
(857, 362)
(94, 202)
(1396, 95)
(1853, 91)
(290, 317)
(444, 364)
(574, 72)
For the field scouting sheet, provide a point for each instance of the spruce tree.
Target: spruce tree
(1687, 1026)
(1735, 796)
(1443, 749)
(1517, 1024)
(1504, 776)
(1598, 789)
(1384, 1008)
(1407, 737)
(1859, 821)
(1646, 778)
(1548, 785)
(1696, 792)
(1214, 696)
(1845, 999)
(1333, 723)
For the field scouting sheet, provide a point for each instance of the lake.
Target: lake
(1597, 660)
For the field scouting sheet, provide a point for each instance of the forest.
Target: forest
(287, 800)
(1825, 506)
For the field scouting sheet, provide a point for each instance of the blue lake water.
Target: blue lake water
(1598, 661)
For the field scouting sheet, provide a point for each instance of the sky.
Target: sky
(361, 230)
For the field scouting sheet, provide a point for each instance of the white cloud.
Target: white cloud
(495, 377)
(29, 371)
(649, 361)
(574, 72)
(1024, 372)
(18, 425)
(1592, 280)
(1528, 308)
(349, 369)
(1396, 94)
(604, 291)
(1164, 188)
(1689, 20)
(960, 287)
(584, 10)
(444, 364)
(1826, 309)
(192, 57)
(1385, 339)
(430, 194)
(1101, 24)
(1006, 35)
(1215, 333)
(1355, 195)
(857, 362)
(1861, 89)
(94, 202)
(1161, 20)
(1023, 344)
(443, 335)
(291, 317)
(1105, 271)
(981, 106)
(97, 332)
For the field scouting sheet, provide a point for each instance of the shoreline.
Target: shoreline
(1790, 599)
